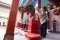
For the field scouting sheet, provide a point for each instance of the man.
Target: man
(43, 21)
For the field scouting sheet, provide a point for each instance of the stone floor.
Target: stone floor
(19, 35)
(52, 36)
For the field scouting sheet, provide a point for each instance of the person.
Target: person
(54, 24)
(43, 21)
(27, 19)
(23, 23)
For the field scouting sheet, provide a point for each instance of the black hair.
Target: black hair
(45, 8)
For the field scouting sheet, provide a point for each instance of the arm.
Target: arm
(40, 13)
(55, 11)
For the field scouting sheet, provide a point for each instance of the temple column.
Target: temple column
(11, 21)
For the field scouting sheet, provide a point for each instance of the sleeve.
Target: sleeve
(41, 11)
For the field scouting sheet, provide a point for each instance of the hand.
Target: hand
(38, 8)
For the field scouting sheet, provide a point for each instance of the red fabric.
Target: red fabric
(33, 26)
(32, 36)
(19, 24)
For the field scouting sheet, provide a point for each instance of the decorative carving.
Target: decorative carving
(54, 2)
(56, 11)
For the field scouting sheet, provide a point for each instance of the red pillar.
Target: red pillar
(12, 20)
(39, 3)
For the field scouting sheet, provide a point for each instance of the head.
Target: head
(45, 8)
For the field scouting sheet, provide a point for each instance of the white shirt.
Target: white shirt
(42, 18)
(23, 21)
